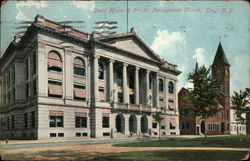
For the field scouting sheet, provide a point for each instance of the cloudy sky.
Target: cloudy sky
(180, 32)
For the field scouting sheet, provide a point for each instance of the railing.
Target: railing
(132, 107)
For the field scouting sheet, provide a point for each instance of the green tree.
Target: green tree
(202, 100)
(239, 105)
(157, 117)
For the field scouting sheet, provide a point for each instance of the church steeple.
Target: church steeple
(220, 57)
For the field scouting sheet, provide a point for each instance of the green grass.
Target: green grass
(174, 155)
(229, 141)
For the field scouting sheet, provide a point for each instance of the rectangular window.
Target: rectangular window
(132, 99)
(60, 134)
(79, 92)
(80, 122)
(8, 123)
(12, 122)
(34, 63)
(105, 122)
(33, 119)
(154, 125)
(26, 121)
(78, 134)
(55, 121)
(79, 71)
(106, 134)
(84, 134)
(55, 89)
(119, 80)
(162, 127)
(101, 93)
(27, 90)
(52, 134)
(120, 97)
(171, 126)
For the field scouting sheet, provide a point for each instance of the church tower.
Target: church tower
(221, 72)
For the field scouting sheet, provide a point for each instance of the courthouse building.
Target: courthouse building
(56, 81)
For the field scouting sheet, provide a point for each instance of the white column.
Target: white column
(124, 81)
(137, 94)
(156, 91)
(111, 78)
(96, 73)
(42, 80)
(68, 75)
(147, 87)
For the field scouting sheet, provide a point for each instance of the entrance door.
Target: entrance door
(144, 124)
(120, 124)
(132, 124)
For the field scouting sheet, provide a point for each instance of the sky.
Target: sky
(181, 32)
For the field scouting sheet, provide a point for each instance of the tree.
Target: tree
(157, 117)
(239, 105)
(202, 100)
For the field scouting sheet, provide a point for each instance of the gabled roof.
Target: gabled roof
(132, 36)
(220, 57)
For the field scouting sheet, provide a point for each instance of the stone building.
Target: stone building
(220, 123)
(56, 81)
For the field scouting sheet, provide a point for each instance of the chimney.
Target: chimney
(40, 19)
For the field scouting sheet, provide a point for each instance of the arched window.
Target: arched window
(54, 62)
(101, 71)
(160, 85)
(171, 87)
(79, 67)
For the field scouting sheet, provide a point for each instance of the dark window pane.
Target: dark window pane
(79, 71)
(105, 122)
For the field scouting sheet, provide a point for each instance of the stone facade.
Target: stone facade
(220, 123)
(56, 81)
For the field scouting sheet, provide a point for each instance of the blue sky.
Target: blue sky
(180, 32)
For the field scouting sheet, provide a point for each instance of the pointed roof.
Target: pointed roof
(220, 57)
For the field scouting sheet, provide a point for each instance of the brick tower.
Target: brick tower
(221, 72)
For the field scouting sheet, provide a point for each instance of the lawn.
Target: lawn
(174, 155)
(228, 141)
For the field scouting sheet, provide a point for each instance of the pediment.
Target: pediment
(134, 45)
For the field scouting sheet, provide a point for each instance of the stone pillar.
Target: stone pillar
(166, 92)
(157, 90)
(124, 83)
(96, 73)
(126, 119)
(42, 64)
(111, 79)
(137, 92)
(68, 70)
(147, 87)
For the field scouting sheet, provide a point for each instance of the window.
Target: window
(12, 122)
(187, 126)
(84, 134)
(27, 68)
(60, 134)
(55, 121)
(25, 120)
(33, 119)
(8, 123)
(170, 87)
(78, 134)
(161, 85)
(161, 99)
(119, 80)
(79, 92)
(154, 125)
(80, 122)
(150, 82)
(185, 111)
(27, 90)
(105, 122)
(34, 87)
(54, 62)
(34, 63)
(183, 126)
(101, 93)
(101, 71)
(52, 134)
(120, 97)
(79, 67)
(171, 126)
(106, 134)
(162, 127)
(132, 99)
(55, 89)
(131, 80)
